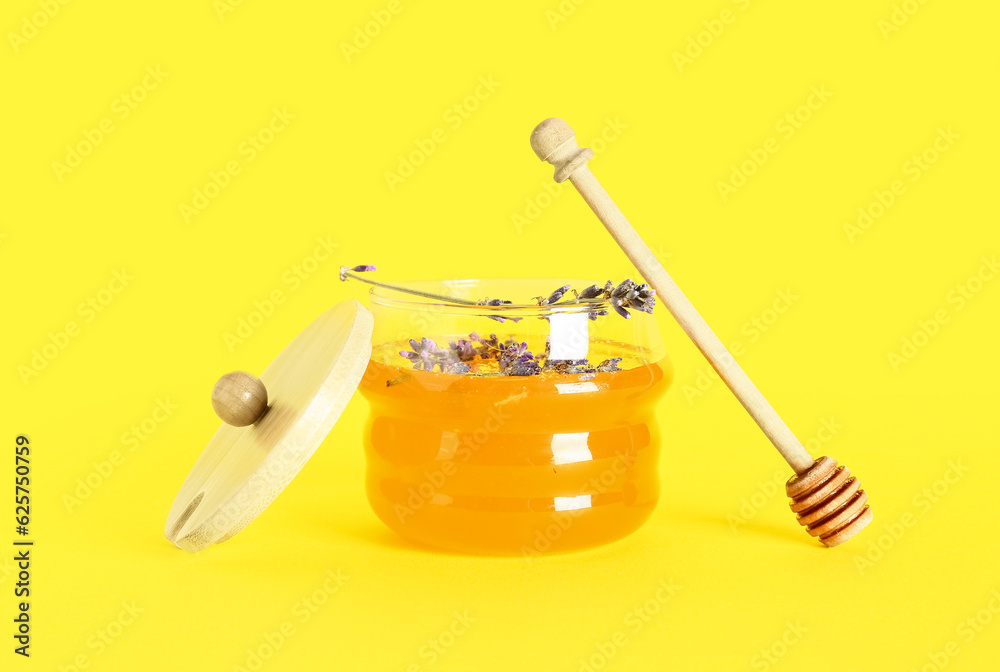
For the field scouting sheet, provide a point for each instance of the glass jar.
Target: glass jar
(482, 462)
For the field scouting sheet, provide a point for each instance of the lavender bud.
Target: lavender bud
(516, 360)
(492, 302)
(363, 268)
(497, 302)
(622, 289)
(463, 350)
(618, 304)
(591, 292)
(488, 347)
(553, 297)
(424, 355)
(569, 366)
(521, 367)
(642, 298)
(558, 294)
(609, 365)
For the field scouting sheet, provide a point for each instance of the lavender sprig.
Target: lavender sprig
(622, 297)
(351, 272)
(625, 295)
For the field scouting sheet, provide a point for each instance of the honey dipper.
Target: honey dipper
(826, 498)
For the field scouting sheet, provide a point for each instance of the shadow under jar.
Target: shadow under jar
(488, 463)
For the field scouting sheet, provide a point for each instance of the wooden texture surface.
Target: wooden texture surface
(554, 141)
(828, 501)
(239, 398)
(242, 469)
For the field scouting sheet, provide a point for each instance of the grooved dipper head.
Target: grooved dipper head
(829, 502)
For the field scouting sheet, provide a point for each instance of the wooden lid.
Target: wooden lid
(243, 469)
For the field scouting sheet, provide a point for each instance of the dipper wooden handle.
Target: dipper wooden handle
(816, 484)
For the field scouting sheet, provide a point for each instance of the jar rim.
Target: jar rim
(385, 296)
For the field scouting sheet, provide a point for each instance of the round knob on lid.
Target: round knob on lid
(239, 398)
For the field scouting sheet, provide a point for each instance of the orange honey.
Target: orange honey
(512, 465)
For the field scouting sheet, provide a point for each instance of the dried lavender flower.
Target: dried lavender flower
(489, 348)
(568, 366)
(424, 354)
(594, 314)
(623, 296)
(512, 356)
(363, 268)
(591, 292)
(463, 350)
(349, 272)
(553, 297)
(582, 366)
(398, 379)
(627, 294)
(497, 302)
(522, 367)
(517, 360)
(514, 349)
(618, 304)
(642, 297)
(630, 295)
(623, 288)
(609, 365)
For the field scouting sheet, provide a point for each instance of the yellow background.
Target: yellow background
(744, 586)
